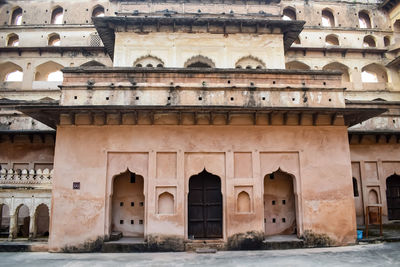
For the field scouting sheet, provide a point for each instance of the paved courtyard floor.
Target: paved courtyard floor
(385, 254)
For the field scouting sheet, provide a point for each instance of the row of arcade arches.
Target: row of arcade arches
(57, 15)
(369, 41)
(328, 18)
(204, 204)
(371, 73)
(27, 225)
(199, 61)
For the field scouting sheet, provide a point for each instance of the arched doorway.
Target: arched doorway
(279, 204)
(128, 205)
(23, 221)
(42, 221)
(205, 206)
(4, 220)
(393, 197)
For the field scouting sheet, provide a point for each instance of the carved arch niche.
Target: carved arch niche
(166, 200)
(244, 199)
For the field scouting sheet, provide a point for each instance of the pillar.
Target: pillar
(13, 225)
(32, 226)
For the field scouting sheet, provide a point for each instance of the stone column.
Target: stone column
(13, 225)
(32, 227)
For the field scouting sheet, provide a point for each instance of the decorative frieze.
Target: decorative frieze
(24, 176)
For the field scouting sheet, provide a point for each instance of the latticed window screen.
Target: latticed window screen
(95, 40)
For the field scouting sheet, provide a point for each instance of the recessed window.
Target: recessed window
(141, 204)
(12, 40)
(364, 20)
(98, 11)
(121, 221)
(16, 17)
(369, 41)
(56, 76)
(132, 204)
(355, 187)
(386, 40)
(57, 16)
(331, 40)
(54, 39)
(328, 20)
(15, 76)
(289, 13)
(121, 204)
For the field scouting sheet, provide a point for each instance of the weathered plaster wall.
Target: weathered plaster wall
(167, 156)
(24, 154)
(176, 48)
(372, 164)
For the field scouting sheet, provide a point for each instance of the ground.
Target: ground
(384, 254)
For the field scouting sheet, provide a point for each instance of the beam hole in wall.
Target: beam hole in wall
(121, 221)
(121, 204)
(232, 98)
(75, 97)
(132, 204)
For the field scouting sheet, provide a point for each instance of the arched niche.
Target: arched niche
(148, 62)
(12, 39)
(199, 62)
(332, 39)
(364, 20)
(243, 202)
(166, 203)
(296, 65)
(373, 197)
(16, 16)
(250, 62)
(128, 204)
(54, 39)
(98, 11)
(369, 41)
(280, 204)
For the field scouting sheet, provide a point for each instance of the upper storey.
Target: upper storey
(170, 39)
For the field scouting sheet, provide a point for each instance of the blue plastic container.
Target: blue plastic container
(359, 234)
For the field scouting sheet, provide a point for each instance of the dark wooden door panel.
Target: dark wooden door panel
(393, 197)
(205, 206)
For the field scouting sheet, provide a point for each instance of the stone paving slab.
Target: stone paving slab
(372, 255)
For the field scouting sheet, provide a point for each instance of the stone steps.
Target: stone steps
(205, 246)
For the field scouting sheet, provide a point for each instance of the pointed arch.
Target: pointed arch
(148, 61)
(296, 65)
(48, 71)
(250, 62)
(374, 73)
(4, 219)
(9, 68)
(23, 220)
(199, 61)
(340, 67)
(93, 63)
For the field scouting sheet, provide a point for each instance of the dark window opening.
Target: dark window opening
(355, 187)
(133, 178)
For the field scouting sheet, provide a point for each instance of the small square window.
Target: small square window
(273, 202)
(283, 201)
(283, 219)
(141, 204)
(132, 204)
(274, 220)
(121, 204)
(140, 221)
(121, 221)
(132, 222)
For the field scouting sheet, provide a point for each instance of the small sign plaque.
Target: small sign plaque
(76, 185)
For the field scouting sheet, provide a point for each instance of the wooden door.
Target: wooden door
(393, 197)
(205, 206)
